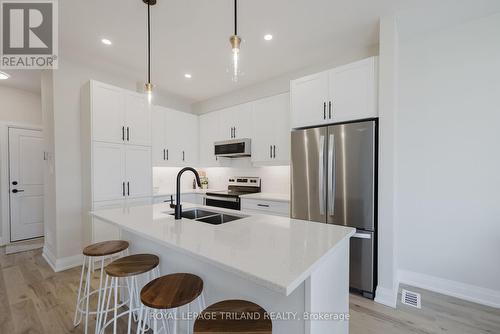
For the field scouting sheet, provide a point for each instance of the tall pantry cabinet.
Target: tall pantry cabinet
(116, 153)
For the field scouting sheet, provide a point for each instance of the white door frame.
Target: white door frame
(4, 176)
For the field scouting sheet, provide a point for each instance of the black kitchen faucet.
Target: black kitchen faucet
(178, 206)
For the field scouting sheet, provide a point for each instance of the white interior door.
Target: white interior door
(26, 184)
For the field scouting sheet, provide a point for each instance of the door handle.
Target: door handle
(167, 153)
(271, 151)
(183, 156)
(331, 173)
(128, 133)
(123, 133)
(330, 109)
(128, 188)
(321, 186)
(123, 189)
(274, 151)
(324, 110)
(17, 191)
(164, 154)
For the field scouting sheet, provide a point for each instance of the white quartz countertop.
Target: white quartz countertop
(162, 193)
(268, 197)
(276, 252)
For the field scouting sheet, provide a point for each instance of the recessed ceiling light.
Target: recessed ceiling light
(268, 37)
(188, 76)
(4, 76)
(106, 41)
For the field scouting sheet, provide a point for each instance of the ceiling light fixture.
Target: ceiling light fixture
(148, 87)
(235, 41)
(268, 37)
(106, 41)
(4, 76)
(188, 76)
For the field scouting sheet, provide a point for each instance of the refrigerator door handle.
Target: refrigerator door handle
(331, 173)
(362, 235)
(321, 175)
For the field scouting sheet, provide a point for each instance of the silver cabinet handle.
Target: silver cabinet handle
(321, 175)
(331, 173)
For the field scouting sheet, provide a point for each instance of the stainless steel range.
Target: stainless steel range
(230, 198)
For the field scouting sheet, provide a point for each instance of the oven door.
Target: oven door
(223, 202)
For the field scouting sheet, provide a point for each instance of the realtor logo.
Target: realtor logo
(29, 34)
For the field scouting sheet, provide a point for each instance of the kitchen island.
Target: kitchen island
(297, 270)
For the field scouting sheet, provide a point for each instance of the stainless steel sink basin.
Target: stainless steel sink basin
(196, 213)
(209, 217)
(219, 219)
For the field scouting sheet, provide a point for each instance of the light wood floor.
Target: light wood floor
(34, 299)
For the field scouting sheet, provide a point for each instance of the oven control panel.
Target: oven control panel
(244, 181)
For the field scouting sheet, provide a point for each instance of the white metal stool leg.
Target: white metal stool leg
(77, 307)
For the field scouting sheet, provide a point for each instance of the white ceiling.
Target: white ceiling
(191, 36)
(28, 80)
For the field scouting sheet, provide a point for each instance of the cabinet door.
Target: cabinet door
(242, 119)
(137, 120)
(108, 172)
(138, 171)
(353, 91)
(174, 137)
(226, 123)
(107, 113)
(282, 130)
(308, 97)
(209, 134)
(189, 143)
(271, 128)
(158, 148)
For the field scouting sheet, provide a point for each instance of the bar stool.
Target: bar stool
(130, 269)
(102, 251)
(246, 317)
(168, 294)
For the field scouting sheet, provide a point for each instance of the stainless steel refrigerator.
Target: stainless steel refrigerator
(333, 178)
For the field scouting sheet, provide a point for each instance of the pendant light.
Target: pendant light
(235, 41)
(148, 87)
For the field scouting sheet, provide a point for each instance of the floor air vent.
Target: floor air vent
(411, 298)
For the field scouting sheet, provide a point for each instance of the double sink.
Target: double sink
(208, 216)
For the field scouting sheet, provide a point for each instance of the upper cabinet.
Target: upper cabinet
(175, 137)
(342, 94)
(271, 129)
(235, 122)
(209, 134)
(119, 116)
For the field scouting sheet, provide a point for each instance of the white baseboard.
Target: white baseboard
(456, 289)
(386, 296)
(61, 264)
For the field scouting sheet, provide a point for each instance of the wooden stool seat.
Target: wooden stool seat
(172, 291)
(132, 265)
(106, 248)
(233, 316)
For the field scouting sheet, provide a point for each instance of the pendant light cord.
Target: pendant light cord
(235, 18)
(149, 42)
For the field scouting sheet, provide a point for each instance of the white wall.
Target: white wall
(448, 161)
(17, 107)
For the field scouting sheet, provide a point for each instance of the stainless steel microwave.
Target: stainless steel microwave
(233, 148)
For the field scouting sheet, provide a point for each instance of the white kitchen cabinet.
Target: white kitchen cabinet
(271, 130)
(341, 94)
(118, 115)
(116, 152)
(138, 171)
(309, 97)
(236, 122)
(137, 119)
(209, 134)
(268, 207)
(120, 171)
(175, 137)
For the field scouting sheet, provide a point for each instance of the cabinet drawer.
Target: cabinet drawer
(271, 207)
